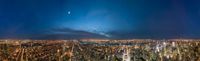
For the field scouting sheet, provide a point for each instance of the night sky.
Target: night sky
(114, 19)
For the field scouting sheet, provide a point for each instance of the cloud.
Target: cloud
(66, 33)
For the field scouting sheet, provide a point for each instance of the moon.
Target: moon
(68, 12)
